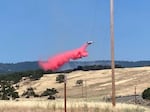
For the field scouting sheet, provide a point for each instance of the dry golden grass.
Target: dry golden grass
(98, 82)
(72, 106)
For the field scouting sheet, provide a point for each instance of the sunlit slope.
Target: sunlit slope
(96, 83)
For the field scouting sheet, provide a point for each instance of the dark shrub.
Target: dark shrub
(60, 78)
(50, 93)
(51, 98)
(79, 82)
(30, 92)
(146, 94)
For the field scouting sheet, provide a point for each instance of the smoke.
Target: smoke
(57, 61)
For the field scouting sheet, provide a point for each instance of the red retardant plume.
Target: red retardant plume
(57, 61)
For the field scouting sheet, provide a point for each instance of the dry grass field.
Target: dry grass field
(72, 106)
(98, 83)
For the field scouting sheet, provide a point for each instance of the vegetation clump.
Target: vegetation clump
(7, 91)
(50, 93)
(146, 94)
(79, 82)
(60, 78)
(29, 93)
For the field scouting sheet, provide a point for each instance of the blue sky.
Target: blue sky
(36, 29)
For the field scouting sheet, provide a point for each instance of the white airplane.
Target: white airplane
(89, 42)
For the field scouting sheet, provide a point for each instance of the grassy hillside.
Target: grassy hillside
(96, 83)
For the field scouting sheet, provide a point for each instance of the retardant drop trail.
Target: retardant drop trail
(57, 61)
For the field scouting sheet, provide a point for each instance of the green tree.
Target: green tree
(60, 78)
(79, 82)
(30, 93)
(146, 94)
(7, 91)
(50, 93)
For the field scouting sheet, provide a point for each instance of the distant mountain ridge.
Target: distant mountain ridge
(75, 64)
(24, 66)
(16, 67)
